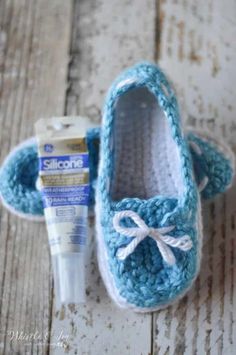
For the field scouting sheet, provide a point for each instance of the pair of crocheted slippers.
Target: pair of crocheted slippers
(147, 189)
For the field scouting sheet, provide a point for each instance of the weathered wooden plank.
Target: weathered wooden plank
(107, 36)
(34, 43)
(198, 51)
(196, 43)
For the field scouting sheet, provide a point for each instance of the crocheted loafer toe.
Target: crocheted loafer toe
(147, 202)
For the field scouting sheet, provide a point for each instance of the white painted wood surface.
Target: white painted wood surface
(99, 52)
(34, 45)
(198, 51)
(194, 43)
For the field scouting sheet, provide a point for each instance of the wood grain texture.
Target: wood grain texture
(194, 43)
(198, 51)
(34, 43)
(105, 39)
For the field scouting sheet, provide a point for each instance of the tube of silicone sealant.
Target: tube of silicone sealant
(64, 184)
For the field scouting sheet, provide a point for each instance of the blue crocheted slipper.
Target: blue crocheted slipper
(212, 161)
(148, 210)
(19, 174)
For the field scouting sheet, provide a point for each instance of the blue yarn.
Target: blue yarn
(19, 191)
(17, 181)
(143, 279)
(93, 140)
(19, 175)
(213, 164)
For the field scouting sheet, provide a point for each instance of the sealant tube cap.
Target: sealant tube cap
(69, 278)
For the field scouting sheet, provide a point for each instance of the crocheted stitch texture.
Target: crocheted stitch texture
(19, 173)
(23, 197)
(18, 177)
(143, 281)
(211, 161)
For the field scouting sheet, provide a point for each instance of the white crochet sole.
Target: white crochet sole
(146, 157)
(107, 276)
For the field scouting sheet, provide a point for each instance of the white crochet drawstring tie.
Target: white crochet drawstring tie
(142, 231)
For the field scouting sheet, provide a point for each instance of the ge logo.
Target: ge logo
(48, 148)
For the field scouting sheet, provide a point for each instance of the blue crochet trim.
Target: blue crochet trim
(143, 279)
(93, 141)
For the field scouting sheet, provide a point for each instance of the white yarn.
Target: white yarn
(195, 147)
(203, 183)
(147, 160)
(142, 231)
